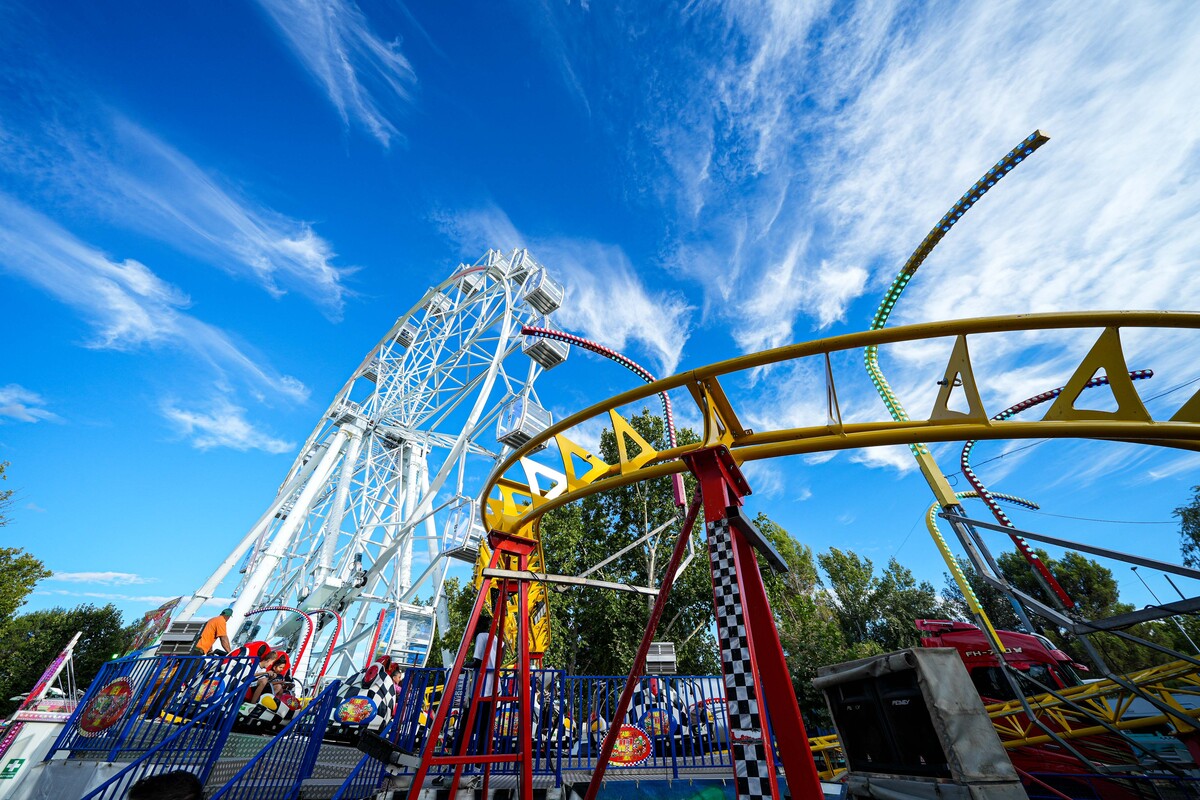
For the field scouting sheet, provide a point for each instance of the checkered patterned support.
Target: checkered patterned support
(746, 730)
(382, 692)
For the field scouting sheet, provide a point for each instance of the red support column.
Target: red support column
(753, 669)
(508, 552)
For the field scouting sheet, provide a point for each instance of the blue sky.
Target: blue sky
(209, 212)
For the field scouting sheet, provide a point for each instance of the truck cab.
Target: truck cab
(1038, 662)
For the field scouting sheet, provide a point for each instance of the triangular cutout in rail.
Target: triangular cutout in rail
(1106, 355)
(959, 375)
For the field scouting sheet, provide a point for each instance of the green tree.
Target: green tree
(809, 629)
(1189, 529)
(5, 495)
(876, 613)
(30, 641)
(19, 573)
(852, 580)
(902, 600)
(1096, 592)
(994, 602)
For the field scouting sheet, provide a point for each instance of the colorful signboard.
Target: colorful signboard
(106, 708)
(631, 748)
(152, 625)
(356, 710)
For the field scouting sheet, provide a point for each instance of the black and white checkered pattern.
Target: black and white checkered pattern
(746, 735)
(381, 691)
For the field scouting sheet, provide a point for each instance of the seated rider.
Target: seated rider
(264, 675)
(281, 680)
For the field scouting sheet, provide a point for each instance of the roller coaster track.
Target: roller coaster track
(514, 505)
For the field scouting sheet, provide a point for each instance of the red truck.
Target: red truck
(1038, 661)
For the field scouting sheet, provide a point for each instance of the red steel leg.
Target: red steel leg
(439, 719)
(639, 661)
(753, 669)
(523, 676)
(779, 693)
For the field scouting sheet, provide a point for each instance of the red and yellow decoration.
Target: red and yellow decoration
(356, 710)
(106, 708)
(632, 747)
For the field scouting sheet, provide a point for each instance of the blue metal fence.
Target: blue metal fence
(681, 720)
(135, 703)
(193, 746)
(365, 780)
(279, 769)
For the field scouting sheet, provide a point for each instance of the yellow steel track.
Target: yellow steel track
(513, 504)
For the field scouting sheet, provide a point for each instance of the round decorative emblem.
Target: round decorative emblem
(208, 689)
(292, 702)
(657, 722)
(106, 708)
(632, 746)
(356, 710)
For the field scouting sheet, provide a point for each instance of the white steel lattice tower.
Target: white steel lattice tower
(381, 494)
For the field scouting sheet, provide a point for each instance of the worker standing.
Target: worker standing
(214, 631)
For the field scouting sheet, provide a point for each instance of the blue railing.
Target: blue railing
(681, 718)
(193, 746)
(365, 780)
(135, 703)
(283, 765)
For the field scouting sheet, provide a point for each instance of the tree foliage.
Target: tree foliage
(809, 624)
(5, 495)
(30, 642)
(994, 602)
(877, 612)
(1189, 529)
(19, 573)
(1096, 592)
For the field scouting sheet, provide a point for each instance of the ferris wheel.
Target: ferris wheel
(381, 495)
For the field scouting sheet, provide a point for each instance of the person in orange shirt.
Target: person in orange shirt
(213, 631)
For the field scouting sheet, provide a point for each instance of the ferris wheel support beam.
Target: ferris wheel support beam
(206, 591)
(464, 437)
(274, 554)
(333, 524)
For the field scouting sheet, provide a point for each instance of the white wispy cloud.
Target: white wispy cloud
(108, 578)
(366, 78)
(768, 480)
(607, 299)
(108, 165)
(146, 599)
(130, 307)
(24, 405)
(807, 149)
(222, 424)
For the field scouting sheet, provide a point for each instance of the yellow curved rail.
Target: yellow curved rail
(512, 504)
